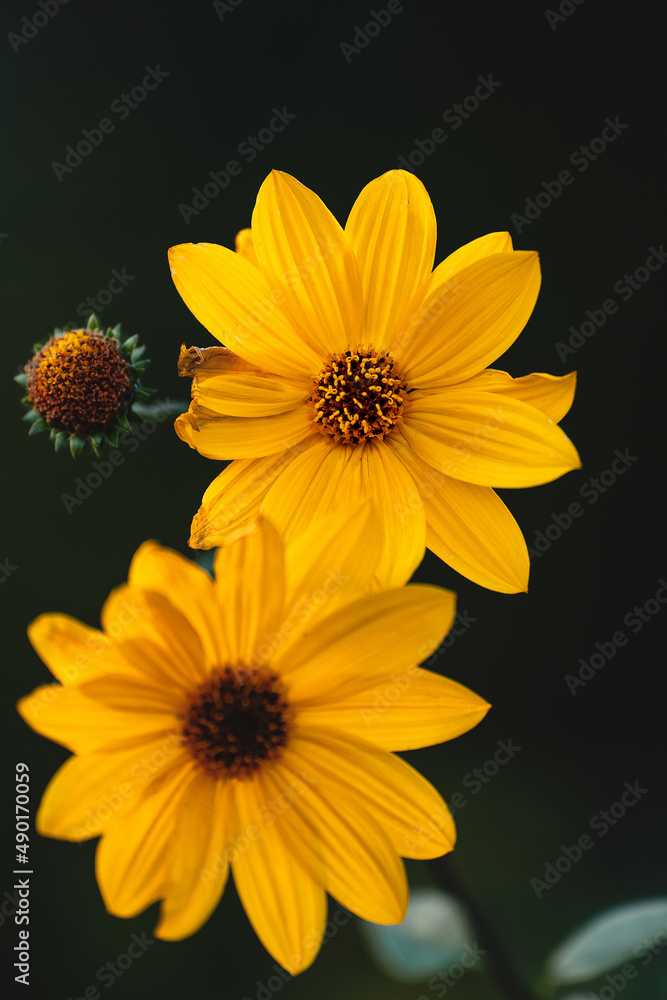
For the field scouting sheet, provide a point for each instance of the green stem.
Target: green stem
(449, 878)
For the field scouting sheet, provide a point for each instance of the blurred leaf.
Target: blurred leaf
(606, 940)
(434, 935)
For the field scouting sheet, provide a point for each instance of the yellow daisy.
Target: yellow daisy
(353, 370)
(246, 722)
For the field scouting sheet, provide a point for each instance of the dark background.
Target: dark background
(355, 116)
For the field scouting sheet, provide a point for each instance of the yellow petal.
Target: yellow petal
(552, 395)
(217, 436)
(198, 868)
(65, 715)
(488, 439)
(469, 320)
(285, 906)
(72, 651)
(154, 636)
(232, 299)
(471, 252)
(406, 710)
(132, 859)
(403, 804)
(306, 260)
(87, 792)
(366, 641)
(470, 528)
(329, 476)
(127, 694)
(186, 586)
(250, 588)
(331, 564)
(250, 394)
(392, 232)
(337, 840)
(235, 495)
(245, 246)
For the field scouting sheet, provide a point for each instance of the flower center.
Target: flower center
(80, 381)
(358, 395)
(237, 720)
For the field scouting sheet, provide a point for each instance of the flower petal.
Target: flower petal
(216, 436)
(245, 246)
(366, 641)
(73, 651)
(470, 528)
(488, 439)
(84, 726)
(392, 231)
(187, 587)
(337, 840)
(86, 792)
(230, 297)
(250, 588)
(285, 906)
(132, 858)
(198, 869)
(405, 711)
(154, 636)
(209, 362)
(552, 395)
(250, 394)
(127, 694)
(305, 257)
(476, 250)
(236, 494)
(403, 803)
(328, 476)
(469, 320)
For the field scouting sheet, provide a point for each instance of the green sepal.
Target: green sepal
(39, 425)
(36, 348)
(137, 353)
(60, 440)
(115, 332)
(93, 322)
(22, 379)
(31, 416)
(76, 445)
(124, 423)
(130, 344)
(112, 438)
(26, 400)
(143, 394)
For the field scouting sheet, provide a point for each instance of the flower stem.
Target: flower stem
(449, 878)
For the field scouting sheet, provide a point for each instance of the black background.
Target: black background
(355, 116)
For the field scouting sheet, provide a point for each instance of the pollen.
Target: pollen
(358, 395)
(80, 382)
(237, 720)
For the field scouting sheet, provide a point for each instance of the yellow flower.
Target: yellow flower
(360, 373)
(246, 722)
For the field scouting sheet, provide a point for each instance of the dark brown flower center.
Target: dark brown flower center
(237, 719)
(80, 381)
(358, 395)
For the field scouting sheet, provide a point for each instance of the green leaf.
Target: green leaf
(76, 445)
(434, 935)
(607, 940)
